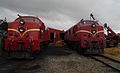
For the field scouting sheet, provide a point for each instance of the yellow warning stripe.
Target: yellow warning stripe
(89, 31)
(29, 30)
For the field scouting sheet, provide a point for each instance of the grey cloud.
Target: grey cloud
(65, 13)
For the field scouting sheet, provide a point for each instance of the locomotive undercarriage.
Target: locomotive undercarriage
(20, 52)
(94, 48)
(88, 50)
(17, 54)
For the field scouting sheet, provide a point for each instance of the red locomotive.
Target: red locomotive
(26, 36)
(87, 37)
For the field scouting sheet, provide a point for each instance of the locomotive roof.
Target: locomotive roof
(28, 17)
(90, 20)
(83, 23)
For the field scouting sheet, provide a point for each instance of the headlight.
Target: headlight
(93, 25)
(22, 22)
(21, 29)
(93, 31)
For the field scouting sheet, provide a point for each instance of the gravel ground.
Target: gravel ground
(74, 63)
(55, 60)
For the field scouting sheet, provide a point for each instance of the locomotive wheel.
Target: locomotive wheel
(18, 55)
(81, 51)
(76, 45)
(78, 48)
(102, 51)
(28, 55)
(70, 45)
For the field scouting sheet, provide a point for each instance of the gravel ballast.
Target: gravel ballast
(72, 62)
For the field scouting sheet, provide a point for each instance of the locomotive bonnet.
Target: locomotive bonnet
(25, 36)
(87, 37)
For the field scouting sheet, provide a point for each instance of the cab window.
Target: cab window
(30, 19)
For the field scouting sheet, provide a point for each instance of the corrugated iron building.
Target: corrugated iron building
(56, 35)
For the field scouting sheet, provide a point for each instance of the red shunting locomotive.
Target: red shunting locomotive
(87, 37)
(26, 35)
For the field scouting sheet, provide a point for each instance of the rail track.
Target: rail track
(11, 65)
(14, 65)
(112, 63)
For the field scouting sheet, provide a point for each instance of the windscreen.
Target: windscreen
(30, 19)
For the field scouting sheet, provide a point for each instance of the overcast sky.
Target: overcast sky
(63, 14)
